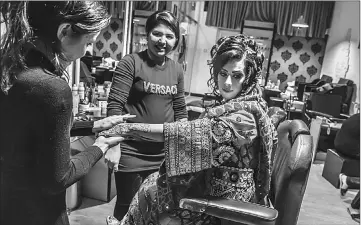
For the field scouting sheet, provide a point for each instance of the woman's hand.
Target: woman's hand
(105, 143)
(126, 129)
(112, 157)
(136, 131)
(109, 122)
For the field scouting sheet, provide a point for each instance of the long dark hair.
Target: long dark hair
(28, 21)
(236, 47)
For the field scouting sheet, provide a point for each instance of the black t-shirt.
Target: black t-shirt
(155, 94)
(347, 139)
(36, 169)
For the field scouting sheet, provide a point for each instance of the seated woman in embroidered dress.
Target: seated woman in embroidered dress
(226, 153)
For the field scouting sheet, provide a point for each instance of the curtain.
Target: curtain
(226, 14)
(286, 14)
(149, 5)
(318, 15)
(116, 9)
(186, 12)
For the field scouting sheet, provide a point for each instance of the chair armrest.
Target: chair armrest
(313, 114)
(297, 127)
(337, 120)
(237, 211)
(310, 87)
(344, 116)
(338, 85)
(209, 97)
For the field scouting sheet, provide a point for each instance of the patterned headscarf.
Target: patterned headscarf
(237, 47)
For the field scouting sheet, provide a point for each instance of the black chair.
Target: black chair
(292, 163)
(303, 87)
(344, 88)
(196, 107)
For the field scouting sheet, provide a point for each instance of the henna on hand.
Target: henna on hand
(125, 129)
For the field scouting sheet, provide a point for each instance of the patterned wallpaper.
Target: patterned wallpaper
(296, 58)
(110, 41)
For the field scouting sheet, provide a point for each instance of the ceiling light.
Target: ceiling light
(300, 23)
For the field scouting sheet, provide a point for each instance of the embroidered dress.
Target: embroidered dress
(225, 154)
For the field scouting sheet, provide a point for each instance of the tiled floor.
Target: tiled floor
(322, 205)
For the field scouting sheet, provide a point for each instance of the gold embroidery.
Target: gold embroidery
(187, 146)
(232, 183)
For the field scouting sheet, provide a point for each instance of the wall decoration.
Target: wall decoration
(110, 40)
(278, 43)
(308, 38)
(120, 37)
(293, 68)
(106, 54)
(316, 48)
(311, 70)
(107, 35)
(305, 58)
(115, 26)
(300, 78)
(113, 46)
(275, 65)
(320, 60)
(119, 56)
(99, 45)
(302, 63)
(297, 45)
(286, 55)
(282, 77)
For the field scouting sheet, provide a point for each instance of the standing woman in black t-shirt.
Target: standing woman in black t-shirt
(41, 40)
(150, 86)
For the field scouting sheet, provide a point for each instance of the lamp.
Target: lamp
(300, 23)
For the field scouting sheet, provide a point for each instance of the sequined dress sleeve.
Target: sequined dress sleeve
(201, 144)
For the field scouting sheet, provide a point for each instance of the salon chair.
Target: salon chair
(344, 88)
(336, 162)
(324, 79)
(327, 130)
(292, 163)
(196, 107)
(303, 87)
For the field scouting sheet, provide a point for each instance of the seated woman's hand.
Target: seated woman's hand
(112, 157)
(109, 122)
(126, 129)
(105, 143)
(134, 131)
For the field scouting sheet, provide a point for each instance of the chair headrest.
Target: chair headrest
(294, 128)
(326, 78)
(345, 81)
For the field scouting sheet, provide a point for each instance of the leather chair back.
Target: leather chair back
(347, 94)
(291, 167)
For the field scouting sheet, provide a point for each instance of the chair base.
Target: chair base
(337, 163)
